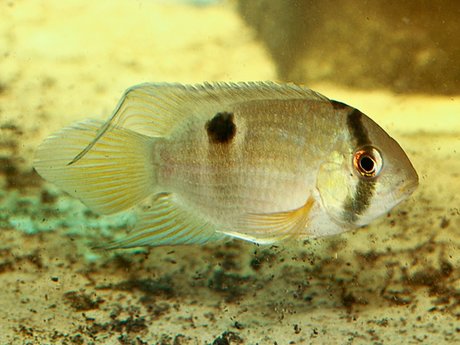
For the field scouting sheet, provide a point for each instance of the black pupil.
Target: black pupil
(367, 164)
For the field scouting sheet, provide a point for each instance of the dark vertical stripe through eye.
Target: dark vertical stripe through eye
(356, 127)
(360, 201)
(356, 204)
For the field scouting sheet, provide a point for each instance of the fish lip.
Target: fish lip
(407, 188)
(412, 181)
(403, 192)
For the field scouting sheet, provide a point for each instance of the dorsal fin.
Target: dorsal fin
(156, 109)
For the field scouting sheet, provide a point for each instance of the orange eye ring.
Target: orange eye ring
(368, 162)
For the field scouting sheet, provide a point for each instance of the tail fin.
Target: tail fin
(116, 174)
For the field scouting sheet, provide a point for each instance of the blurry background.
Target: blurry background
(394, 281)
(403, 46)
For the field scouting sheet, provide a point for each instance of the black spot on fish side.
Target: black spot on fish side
(221, 128)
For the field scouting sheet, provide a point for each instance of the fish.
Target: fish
(263, 162)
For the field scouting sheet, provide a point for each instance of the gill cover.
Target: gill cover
(335, 185)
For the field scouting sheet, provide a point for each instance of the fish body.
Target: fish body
(262, 162)
(269, 166)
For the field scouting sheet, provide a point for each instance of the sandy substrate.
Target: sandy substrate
(397, 281)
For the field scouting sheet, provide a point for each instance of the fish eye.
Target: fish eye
(367, 161)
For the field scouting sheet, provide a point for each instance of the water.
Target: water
(395, 281)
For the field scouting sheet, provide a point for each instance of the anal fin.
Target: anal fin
(167, 223)
(267, 228)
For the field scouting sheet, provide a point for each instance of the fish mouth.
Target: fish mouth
(408, 187)
(411, 183)
(404, 191)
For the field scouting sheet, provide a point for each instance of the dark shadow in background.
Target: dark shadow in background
(405, 46)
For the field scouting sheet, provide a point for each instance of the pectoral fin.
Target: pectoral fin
(266, 228)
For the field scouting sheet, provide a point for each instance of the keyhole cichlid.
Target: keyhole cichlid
(259, 161)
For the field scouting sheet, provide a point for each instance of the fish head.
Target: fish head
(365, 176)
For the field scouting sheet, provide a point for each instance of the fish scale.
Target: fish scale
(268, 171)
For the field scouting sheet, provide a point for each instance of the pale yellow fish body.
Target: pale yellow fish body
(269, 166)
(257, 161)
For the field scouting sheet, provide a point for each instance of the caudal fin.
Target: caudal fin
(116, 174)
